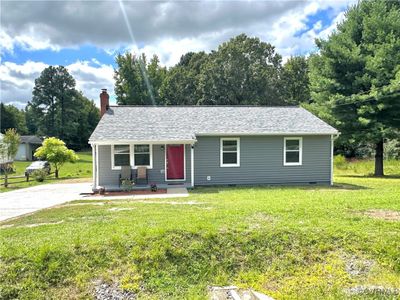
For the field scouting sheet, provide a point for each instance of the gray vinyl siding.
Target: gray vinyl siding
(261, 162)
(109, 177)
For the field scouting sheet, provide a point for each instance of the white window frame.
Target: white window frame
(113, 166)
(133, 156)
(300, 139)
(221, 148)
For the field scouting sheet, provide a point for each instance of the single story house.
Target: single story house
(27, 147)
(211, 145)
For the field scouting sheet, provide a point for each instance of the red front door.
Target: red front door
(175, 162)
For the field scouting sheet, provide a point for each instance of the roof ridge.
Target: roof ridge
(183, 106)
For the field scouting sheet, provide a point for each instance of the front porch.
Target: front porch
(164, 186)
(164, 164)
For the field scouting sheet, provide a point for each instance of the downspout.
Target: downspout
(192, 165)
(333, 138)
(93, 166)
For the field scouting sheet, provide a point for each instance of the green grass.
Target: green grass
(288, 242)
(80, 169)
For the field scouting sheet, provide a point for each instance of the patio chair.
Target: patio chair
(126, 174)
(142, 176)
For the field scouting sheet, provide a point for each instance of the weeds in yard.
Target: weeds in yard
(288, 242)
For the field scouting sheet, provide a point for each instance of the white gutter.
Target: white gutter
(333, 138)
(266, 134)
(127, 142)
(192, 165)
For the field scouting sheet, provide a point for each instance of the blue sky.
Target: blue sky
(85, 36)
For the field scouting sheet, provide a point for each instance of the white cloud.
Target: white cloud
(17, 80)
(170, 50)
(29, 40)
(168, 29)
(284, 32)
(90, 79)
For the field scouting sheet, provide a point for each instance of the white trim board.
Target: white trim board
(332, 141)
(97, 167)
(235, 134)
(128, 142)
(192, 165)
(219, 134)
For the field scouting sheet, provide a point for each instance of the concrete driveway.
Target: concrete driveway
(27, 200)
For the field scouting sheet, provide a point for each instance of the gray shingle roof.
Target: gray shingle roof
(30, 139)
(168, 123)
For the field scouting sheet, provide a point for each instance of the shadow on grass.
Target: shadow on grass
(397, 176)
(348, 186)
(223, 188)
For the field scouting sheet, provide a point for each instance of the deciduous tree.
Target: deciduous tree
(181, 85)
(12, 117)
(295, 81)
(243, 70)
(136, 82)
(56, 152)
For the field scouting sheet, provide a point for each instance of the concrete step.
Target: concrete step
(235, 293)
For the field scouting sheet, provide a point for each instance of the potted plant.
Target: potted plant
(153, 187)
(127, 185)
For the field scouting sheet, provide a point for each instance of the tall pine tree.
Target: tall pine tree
(355, 78)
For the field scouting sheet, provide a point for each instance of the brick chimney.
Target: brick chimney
(104, 103)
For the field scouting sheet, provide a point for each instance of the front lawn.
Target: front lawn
(288, 242)
(80, 169)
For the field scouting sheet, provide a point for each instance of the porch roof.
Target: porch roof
(184, 123)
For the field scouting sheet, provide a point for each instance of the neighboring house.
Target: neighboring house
(4, 159)
(212, 145)
(27, 147)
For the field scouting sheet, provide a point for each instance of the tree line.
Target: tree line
(57, 109)
(352, 82)
(242, 71)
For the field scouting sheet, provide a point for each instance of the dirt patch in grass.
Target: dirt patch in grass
(32, 225)
(170, 202)
(389, 215)
(105, 291)
(356, 266)
(83, 203)
(259, 219)
(76, 180)
(120, 208)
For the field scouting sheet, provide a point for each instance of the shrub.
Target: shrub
(39, 175)
(127, 185)
(392, 149)
(340, 161)
(54, 151)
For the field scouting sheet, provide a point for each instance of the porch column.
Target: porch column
(97, 166)
(94, 166)
(332, 139)
(192, 164)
